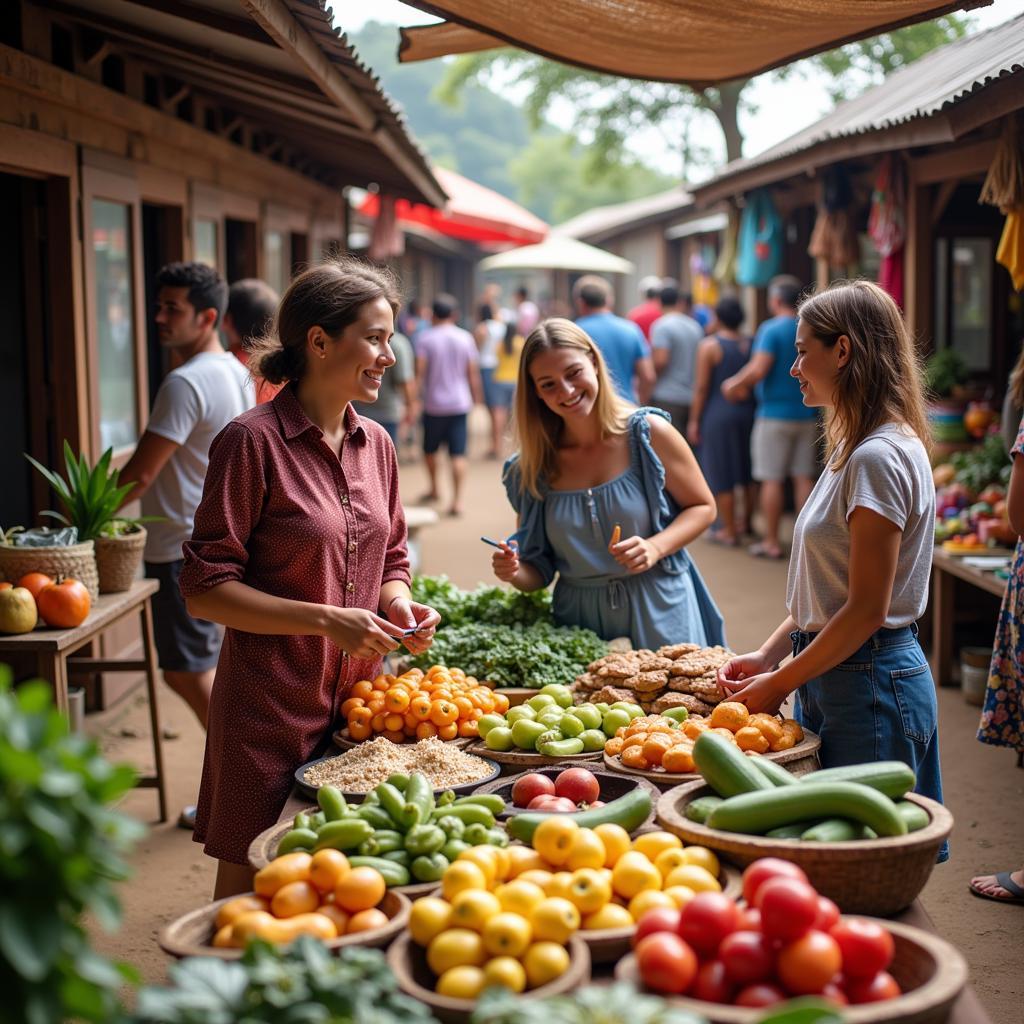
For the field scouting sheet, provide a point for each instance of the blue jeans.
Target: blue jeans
(879, 705)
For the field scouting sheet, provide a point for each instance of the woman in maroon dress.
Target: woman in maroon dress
(299, 549)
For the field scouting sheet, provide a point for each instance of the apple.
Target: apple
(578, 785)
(18, 612)
(529, 787)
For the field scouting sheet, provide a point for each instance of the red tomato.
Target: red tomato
(834, 992)
(657, 919)
(711, 984)
(788, 908)
(750, 920)
(872, 990)
(761, 870)
(747, 956)
(530, 786)
(64, 605)
(666, 963)
(807, 965)
(34, 582)
(578, 785)
(866, 947)
(828, 914)
(760, 995)
(706, 920)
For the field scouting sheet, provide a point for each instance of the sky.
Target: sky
(803, 98)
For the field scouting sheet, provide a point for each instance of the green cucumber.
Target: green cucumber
(468, 814)
(893, 778)
(836, 830)
(331, 802)
(787, 831)
(630, 811)
(398, 857)
(699, 809)
(725, 768)
(756, 813)
(392, 872)
(376, 816)
(296, 839)
(346, 834)
(914, 815)
(773, 772)
(494, 803)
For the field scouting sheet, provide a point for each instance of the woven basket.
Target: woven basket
(118, 560)
(77, 561)
(869, 876)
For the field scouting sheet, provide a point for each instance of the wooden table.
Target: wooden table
(54, 651)
(946, 570)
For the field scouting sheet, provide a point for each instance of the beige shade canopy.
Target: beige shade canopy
(697, 42)
(558, 252)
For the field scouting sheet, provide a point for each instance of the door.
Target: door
(162, 243)
(242, 244)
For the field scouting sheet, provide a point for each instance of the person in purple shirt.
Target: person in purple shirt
(448, 381)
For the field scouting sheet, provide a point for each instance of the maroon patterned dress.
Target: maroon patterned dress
(284, 514)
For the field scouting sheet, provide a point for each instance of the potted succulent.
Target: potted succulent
(946, 372)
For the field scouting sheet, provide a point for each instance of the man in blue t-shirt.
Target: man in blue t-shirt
(785, 439)
(621, 342)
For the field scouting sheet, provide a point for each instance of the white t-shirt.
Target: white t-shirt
(193, 405)
(489, 349)
(889, 473)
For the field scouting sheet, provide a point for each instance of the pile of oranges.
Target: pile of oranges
(443, 703)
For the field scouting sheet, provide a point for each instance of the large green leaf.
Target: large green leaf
(29, 941)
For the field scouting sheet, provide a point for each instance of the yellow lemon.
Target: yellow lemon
(538, 876)
(502, 861)
(650, 844)
(648, 899)
(616, 842)
(611, 915)
(668, 860)
(554, 920)
(681, 894)
(463, 874)
(429, 917)
(473, 908)
(559, 884)
(519, 896)
(545, 961)
(463, 982)
(507, 934)
(555, 838)
(589, 890)
(484, 857)
(456, 947)
(696, 878)
(633, 873)
(505, 971)
(523, 858)
(587, 851)
(703, 858)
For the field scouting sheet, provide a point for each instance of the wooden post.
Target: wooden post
(917, 264)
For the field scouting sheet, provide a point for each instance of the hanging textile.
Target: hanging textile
(759, 247)
(887, 223)
(834, 237)
(725, 266)
(387, 240)
(1004, 187)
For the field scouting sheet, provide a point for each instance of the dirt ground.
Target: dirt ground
(984, 789)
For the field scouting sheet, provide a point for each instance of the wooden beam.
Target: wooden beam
(101, 53)
(169, 100)
(942, 198)
(952, 162)
(917, 266)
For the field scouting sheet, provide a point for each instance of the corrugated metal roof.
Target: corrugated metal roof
(920, 90)
(601, 221)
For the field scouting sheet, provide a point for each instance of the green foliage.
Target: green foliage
(986, 464)
(945, 370)
(304, 984)
(61, 851)
(496, 605)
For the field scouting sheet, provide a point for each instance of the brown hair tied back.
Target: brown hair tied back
(328, 295)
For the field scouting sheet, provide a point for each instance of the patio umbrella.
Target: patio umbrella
(559, 252)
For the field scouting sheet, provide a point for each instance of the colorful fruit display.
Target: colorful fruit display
(666, 742)
(788, 941)
(36, 597)
(441, 702)
(970, 498)
(574, 789)
(400, 829)
(548, 724)
(320, 894)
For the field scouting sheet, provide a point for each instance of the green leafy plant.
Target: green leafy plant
(89, 496)
(61, 848)
(945, 370)
(499, 606)
(304, 984)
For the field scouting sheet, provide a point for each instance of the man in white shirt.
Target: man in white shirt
(207, 389)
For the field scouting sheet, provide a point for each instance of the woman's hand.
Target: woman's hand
(408, 614)
(693, 432)
(763, 692)
(635, 554)
(505, 562)
(735, 673)
(362, 634)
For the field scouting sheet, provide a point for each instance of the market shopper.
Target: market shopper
(861, 558)
(299, 549)
(489, 334)
(608, 496)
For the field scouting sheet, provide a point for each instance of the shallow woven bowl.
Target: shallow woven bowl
(409, 963)
(341, 739)
(931, 972)
(868, 876)
(192, 933)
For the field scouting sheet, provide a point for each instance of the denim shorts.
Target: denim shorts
(183, 644)
(448, 430)
(878, 705)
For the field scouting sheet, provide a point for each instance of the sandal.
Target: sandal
(187, 818)
(762, 550)
(723, 540)
(1007, 884)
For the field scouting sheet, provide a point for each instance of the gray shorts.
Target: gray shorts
(183, 644)
(783, 448)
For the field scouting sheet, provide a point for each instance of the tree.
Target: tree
(610, 110)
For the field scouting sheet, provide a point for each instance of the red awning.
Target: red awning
(473, 213)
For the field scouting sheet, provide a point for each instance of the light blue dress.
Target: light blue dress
(567, 533)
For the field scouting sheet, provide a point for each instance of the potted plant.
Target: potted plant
(946, 371)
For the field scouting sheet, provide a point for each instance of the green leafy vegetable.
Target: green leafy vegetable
(983, 465)
(500, 606)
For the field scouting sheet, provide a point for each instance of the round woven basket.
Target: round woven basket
(74, 561)
(868, 876)
(118, 560)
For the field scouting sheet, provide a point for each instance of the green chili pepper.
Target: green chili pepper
(402, 857)
(394, 803)
(317, 819)
(398, 780)
(453, 848)
(469, 814)
(494, 803)
(425, 839)
(297, 839)
(446, 798)
(429, 868)
(371, 799)
(476, 834)
(331, 802)
(343, 835)
(376, 816)
(419, 794)
(453, 827)
(497, 837)
(301, 820)
(382, 841)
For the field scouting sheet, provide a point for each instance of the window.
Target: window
(278, 261)
(204, 249)
(115, 322)
(963, 298)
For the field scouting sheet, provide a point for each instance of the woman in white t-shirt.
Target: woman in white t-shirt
(859, 569)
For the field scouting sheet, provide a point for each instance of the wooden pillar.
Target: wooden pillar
(918, 270)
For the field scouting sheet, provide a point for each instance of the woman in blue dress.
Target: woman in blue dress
(608, 496)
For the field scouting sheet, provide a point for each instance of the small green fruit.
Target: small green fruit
(499, 738)
(570, 726)
(489, 722)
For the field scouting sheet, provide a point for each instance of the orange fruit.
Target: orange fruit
(443, 712)
(361, 889)
(336, 915)
(362, 689)
(327, 869)
(366, 921)
(295, 898)
(425, 730)
(397, 699)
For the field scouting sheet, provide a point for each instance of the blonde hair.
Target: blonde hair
(537, 429)
(883, 381)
